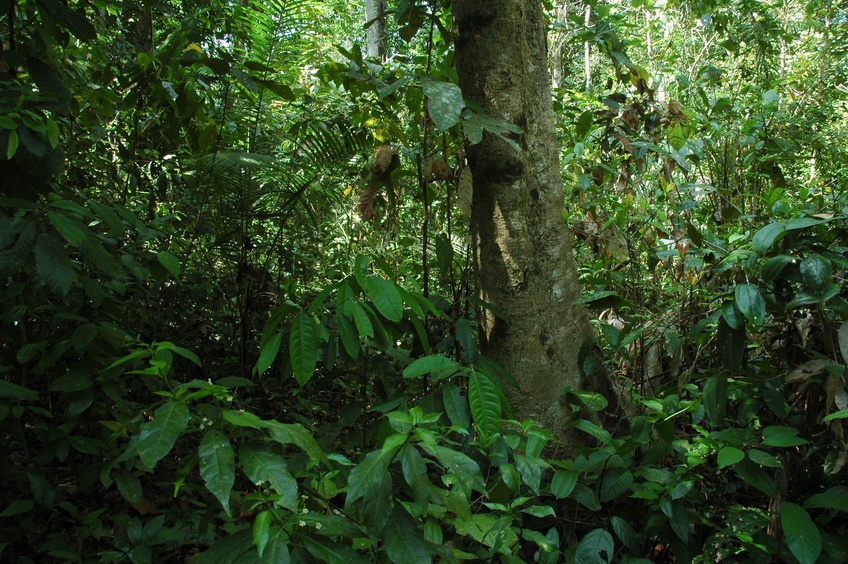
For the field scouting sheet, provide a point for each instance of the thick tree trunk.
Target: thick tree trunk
(375, 19)
(523, 259)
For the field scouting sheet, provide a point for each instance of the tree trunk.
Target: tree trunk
(524, 266)
(375, 19)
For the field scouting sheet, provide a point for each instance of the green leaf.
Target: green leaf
(802, 535)
(764, 458)
(18, 507)
(170, 262)
(756, 476)
(584, 124)
(403, 541)
(765, 237)
(363, 323)
(466, 336)
(774, 266)
(262, 465)
(331, 552)
(460, 465)
(750, 302)
(596, 547)
(269, 353)
(779, 436)
(625, 532)
(128, 485)
(415, 473)
(348, 335)
(530, 471)
(485, 403)
(456, 406)
(563, 482)
(16, 392)
(242, 418)
(445, 103)
(303, 347)
(833, 498)
(429, 364)
(12, 148)
(615, 483)
(157, 437)
(841, 414)
(386, 298)
(586, 496)
(368, 473)
(816, 271)
(72, 230)
(54, 266)
(296, 434)
(728, 456)
(217, 466)
(262, 531)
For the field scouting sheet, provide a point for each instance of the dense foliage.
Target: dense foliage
(237, 318)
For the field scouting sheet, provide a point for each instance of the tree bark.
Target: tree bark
(375, 19)
(523, 261)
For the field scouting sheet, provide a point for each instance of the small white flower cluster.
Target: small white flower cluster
(204, 423)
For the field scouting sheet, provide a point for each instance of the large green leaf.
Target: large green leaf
(445, 103)
(217, 465)
(54, 266)
(750, 302)
(73, 231)
(429, 364)
(714, 397)
(460, 465)
(485, 403)
(262, 531)
(296, 434)
(348, 335)
(728, 456)
(261, 464)
(386, 298)
(303, 348)
(415, 473)
(756, 476)
(403, 541)
(802, 535)
(157, 437)
(563, 482)
(268, 353)
(329, 551)
(17, 392)
(616, 482)
(765, 237)
(596, 547)
(456, 406)
(816, 271)
(368, 473)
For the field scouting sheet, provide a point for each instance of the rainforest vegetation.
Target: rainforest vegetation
(252, 309)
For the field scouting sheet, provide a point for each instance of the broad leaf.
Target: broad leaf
(170, 262)
(595, 548)
(485, 403)
(816, 271)
(445, 103)
(54, 266)
(296, 434)
(368, 473)
(765, 237)
(615, 483)
(262, 531)
(460, 465)
(563, 482)
(269, 353)
(456, 406)
(386, 298)
(348, 335)
(157, 437)
(262, 465)
(802, 535)
(750, 302)
(728, 456)
(403, 541)
(429, 364)
(217, 465)
(303, 348)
